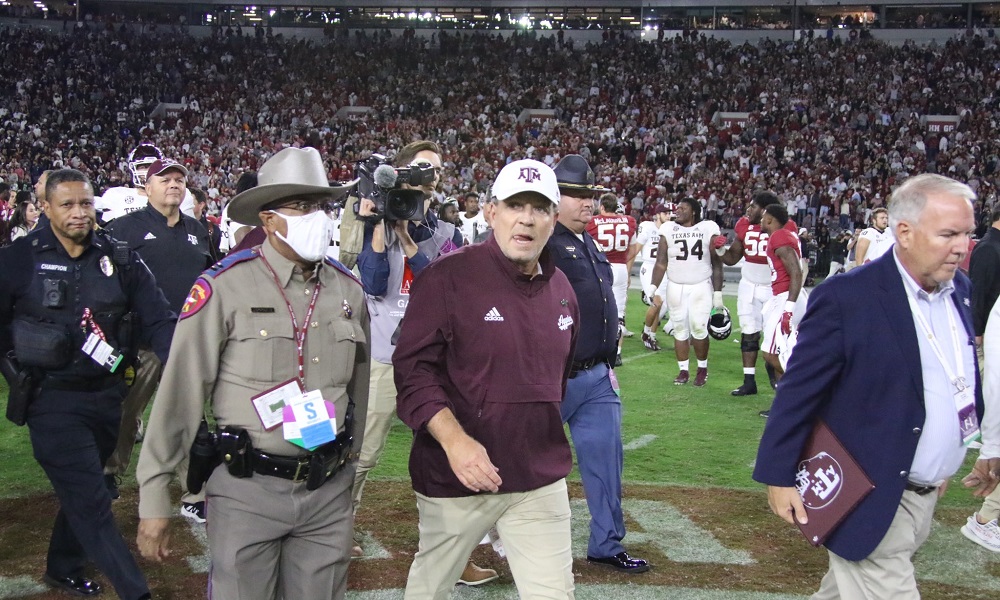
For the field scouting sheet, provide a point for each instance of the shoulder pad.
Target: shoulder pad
(230, 261)
(340, 267)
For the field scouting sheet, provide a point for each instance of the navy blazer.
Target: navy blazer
(857, 366)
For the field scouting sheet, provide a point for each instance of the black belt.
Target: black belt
(80, 385)
(583, 365)
(920, 490)
(293, 468)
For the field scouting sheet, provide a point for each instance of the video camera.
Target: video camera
(381, 183)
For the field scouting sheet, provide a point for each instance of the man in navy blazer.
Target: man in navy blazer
(865, 364)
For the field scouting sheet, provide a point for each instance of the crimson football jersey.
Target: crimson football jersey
(780, 279)
(613, 234)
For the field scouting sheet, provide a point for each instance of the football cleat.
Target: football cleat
(649, 340)
(682, 378)
(745, 390)
(701, 377)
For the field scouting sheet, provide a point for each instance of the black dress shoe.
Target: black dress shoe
(78, 586)
(621, 562)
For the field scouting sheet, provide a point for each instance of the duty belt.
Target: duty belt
(293, 468)
(583, 365)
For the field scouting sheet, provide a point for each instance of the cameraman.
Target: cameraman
(392, 255)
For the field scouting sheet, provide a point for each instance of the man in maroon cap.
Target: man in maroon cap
(176, 248)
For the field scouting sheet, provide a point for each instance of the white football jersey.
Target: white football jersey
(689, 251)
(878, 242)
(119, 201)
(649, 238)
(472, 227)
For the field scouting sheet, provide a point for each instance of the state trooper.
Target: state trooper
(74, 306)
(276, 339)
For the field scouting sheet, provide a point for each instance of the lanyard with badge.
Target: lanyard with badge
(96, 345)
(308, 420)
(962, 392)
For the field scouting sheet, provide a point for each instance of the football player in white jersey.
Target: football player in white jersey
(686, 257)
(755, 285)
(875, 240)
(654, 297)
(119, 201)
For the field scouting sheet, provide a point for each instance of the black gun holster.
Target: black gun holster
(204, 458)
(21, 383)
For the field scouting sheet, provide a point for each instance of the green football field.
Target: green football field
(691, 506)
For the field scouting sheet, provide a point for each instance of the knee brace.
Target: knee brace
(750, 342)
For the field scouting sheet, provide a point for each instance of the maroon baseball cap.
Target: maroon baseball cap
(165, 164)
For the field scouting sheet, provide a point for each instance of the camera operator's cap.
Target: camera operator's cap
(574, 174)
(162, 165)
(289, 173)
(526, 176)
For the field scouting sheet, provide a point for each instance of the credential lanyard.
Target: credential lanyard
(300, 332)
(962, 395)
(956, 378)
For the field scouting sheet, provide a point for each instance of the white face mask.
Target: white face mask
(308, 235)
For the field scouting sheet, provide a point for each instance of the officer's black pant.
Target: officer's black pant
(72, 434)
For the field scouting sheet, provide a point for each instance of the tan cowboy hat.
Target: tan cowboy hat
(289, 173)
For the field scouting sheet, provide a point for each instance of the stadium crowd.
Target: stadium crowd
(833, 128)
(830, 122)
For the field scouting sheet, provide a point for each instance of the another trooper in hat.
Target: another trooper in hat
(590, 405)
(275, 340)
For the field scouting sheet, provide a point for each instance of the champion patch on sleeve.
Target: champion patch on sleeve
(197, 298)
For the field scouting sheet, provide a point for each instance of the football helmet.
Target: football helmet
(142, 157)
(720, 324)
(671, 211)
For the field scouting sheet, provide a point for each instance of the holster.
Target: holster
(234, 449)
(204, 458)
(326, 460)
(21, 388)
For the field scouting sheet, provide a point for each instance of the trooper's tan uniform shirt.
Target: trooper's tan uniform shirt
(237, 341)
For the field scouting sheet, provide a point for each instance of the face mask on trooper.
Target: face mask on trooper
(308, 235)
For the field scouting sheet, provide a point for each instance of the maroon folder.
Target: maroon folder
(830, 482)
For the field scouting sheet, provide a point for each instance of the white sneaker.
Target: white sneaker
(987, 536)
(194, 511)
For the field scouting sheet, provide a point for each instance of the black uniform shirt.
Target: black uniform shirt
(176, 255)
(92, 280)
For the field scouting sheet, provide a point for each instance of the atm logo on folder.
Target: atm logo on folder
(819, 480)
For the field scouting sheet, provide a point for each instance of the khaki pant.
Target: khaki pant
(381, 413)
(147, 379)
(534, 527)
(272, 538)
(887, 573)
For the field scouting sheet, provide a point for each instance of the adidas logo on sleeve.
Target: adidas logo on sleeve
(493, 315)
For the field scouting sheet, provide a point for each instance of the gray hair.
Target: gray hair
(908, 201)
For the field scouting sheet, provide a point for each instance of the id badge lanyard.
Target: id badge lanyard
(300, 332)
(962, 393)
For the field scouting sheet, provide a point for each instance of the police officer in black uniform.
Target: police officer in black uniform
(73, 307)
